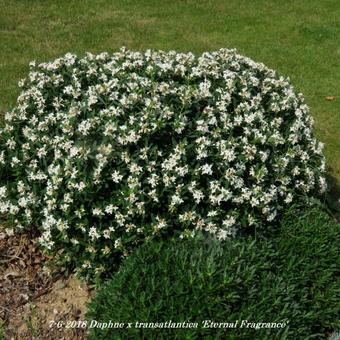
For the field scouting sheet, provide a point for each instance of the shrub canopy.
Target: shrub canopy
(105, 151)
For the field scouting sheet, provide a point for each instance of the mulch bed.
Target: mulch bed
(30, 298)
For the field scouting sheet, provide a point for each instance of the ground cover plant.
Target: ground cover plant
(292, 278)
(105, 151)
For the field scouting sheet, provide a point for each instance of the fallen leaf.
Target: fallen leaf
(330, 98)
(10, 273)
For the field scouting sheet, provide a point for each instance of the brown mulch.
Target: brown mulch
(32, 302)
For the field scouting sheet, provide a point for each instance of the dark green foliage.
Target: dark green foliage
(293, 277)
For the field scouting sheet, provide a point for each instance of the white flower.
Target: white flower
(80, 186)
(62, 225)
(182, 171)
(212, 213)
(153, 180)
(175, 200)
(135, 168)
(323, 184)
(229, 222)
(10, 231)
(271, 216)
(161, 223)
(110, 208)
(2, 157)
(116, 176)
(3, 191)
(198, 196)
(289, 198)
(11, 143)
(223, 234)
(23, 202)
(97, 212)
(118, 243)
(206, 169)
(93, 233)
(106, 233)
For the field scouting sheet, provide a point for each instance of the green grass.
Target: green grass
(2, 330)
(299, 38)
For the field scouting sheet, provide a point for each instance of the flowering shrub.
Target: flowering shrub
(105, 151)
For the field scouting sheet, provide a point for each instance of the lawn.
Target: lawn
(300, 39)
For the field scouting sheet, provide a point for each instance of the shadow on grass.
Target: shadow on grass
(332, 197)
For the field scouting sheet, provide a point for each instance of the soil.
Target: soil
(35, 304)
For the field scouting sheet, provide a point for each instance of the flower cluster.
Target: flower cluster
(105, 151)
